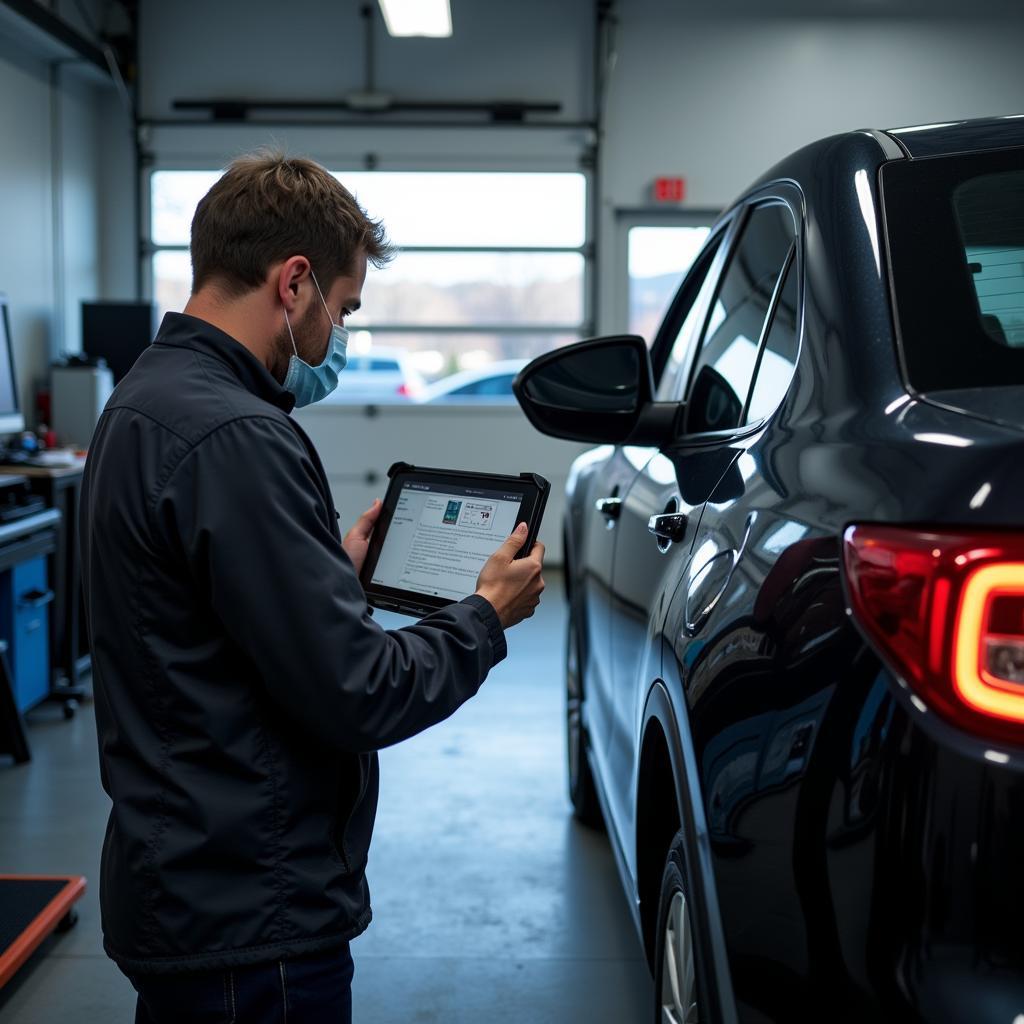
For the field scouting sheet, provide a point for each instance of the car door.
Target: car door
(606, 475)
(677, 337)
(612, 476)
(653, 555)
(757, 569)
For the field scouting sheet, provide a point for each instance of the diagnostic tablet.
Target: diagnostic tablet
(438, 527)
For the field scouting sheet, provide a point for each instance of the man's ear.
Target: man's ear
(288, 276)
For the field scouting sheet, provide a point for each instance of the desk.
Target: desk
(61, 488)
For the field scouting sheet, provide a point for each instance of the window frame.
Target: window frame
(779, 193)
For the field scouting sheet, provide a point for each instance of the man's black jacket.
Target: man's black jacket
(241, 685)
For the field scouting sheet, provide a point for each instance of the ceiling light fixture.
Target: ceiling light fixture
(417, 17)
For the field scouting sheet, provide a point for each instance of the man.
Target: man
(241, 684)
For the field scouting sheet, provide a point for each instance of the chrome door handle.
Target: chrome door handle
(670, 527)
(609, 507)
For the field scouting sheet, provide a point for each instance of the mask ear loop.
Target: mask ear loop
(322, 299)
(290, 335)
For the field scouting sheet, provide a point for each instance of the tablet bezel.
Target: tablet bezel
(534, 489)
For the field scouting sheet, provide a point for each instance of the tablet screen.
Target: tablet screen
(441, 534)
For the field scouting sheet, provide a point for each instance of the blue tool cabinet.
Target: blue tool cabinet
(24, 624)
(29, 532)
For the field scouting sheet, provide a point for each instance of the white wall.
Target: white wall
(720, 99)
(118, 237)
(48, 203)
(77, 178)
(26, 211)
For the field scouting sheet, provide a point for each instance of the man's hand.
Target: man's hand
(357, 540)
(513, 585)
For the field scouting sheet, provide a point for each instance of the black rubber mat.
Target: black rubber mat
(21, 901)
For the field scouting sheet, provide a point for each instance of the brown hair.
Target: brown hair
(267, 207)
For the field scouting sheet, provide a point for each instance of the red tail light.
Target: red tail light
(403, 390)
(946, 611)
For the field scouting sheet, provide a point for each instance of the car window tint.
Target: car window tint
(384, 364)
(670, 386)
(725, 364)
(954, 228)
(778, 358)
(990, 211)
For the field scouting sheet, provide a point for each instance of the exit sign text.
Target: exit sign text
(669, 190)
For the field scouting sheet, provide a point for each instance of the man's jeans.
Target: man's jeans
(311, 990)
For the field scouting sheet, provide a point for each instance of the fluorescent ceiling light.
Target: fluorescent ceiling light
(417, 17)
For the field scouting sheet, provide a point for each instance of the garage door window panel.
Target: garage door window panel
(492, 266)
(474, 288)
(727, 359)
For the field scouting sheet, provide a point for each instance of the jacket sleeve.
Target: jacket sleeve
(245, 509)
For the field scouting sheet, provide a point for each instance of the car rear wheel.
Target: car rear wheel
(680, 995)
(582, 791)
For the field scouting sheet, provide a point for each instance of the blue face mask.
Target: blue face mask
(311, 384)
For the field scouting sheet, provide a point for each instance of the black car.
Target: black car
(795, 570)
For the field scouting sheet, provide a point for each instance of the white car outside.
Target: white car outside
(380, 375)
(490, 384)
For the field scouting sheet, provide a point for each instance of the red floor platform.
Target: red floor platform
(31, 907)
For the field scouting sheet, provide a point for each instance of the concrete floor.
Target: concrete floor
(490, 903)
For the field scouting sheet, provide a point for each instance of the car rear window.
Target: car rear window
(954, 231)
(990, 214)
(955, 234)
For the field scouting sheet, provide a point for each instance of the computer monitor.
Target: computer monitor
(118, 332)
(11, 419)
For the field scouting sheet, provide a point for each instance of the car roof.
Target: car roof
(949, 137)
(381, 352)
(818, 167)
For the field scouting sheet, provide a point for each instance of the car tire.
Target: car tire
(582, 790)
(681, 978)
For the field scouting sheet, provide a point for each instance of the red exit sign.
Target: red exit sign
(669, 190)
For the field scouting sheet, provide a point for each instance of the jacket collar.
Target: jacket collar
(183, 331)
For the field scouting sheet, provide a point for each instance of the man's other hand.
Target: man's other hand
(357, 540)
(513, 585)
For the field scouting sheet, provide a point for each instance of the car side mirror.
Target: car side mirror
(600, 390)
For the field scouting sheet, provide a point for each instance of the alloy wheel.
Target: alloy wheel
(678, 975)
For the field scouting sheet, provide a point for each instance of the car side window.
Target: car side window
(778, 356)
(725, 364)
(670, 386)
